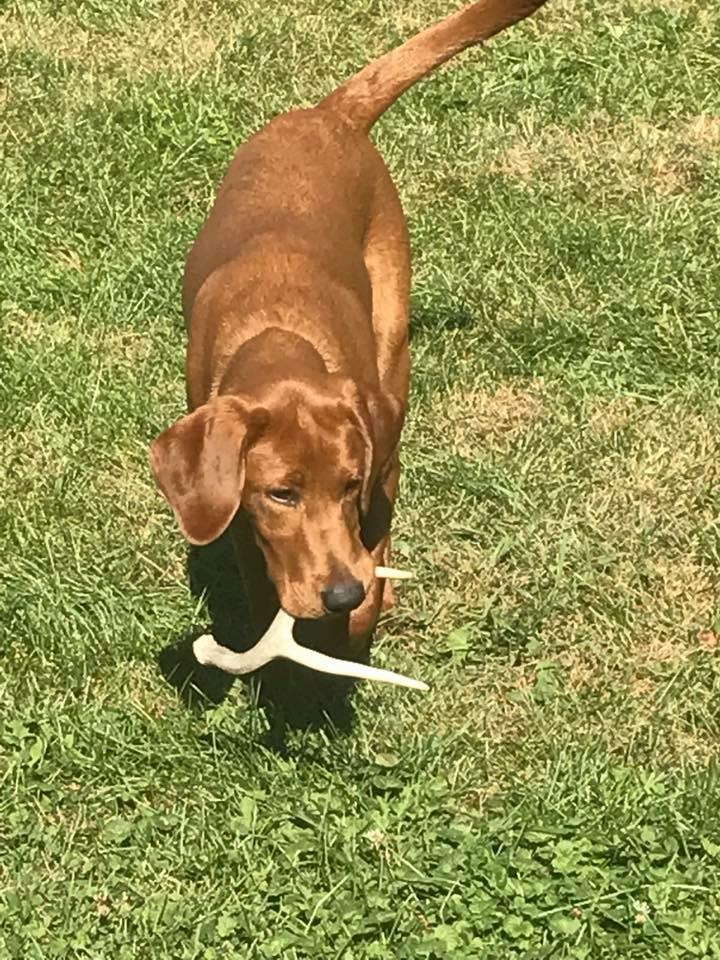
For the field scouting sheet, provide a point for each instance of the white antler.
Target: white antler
(278, 642)
(390, 573)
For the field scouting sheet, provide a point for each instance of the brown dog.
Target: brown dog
(296, 296)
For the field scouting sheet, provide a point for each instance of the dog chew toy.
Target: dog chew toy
(278, 643)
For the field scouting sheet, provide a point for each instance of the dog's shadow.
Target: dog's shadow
(291, 696)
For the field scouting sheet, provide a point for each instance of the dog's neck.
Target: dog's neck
(268, 357)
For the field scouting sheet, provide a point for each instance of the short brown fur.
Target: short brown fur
(296, 297)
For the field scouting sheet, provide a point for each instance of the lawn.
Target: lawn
(556, 794)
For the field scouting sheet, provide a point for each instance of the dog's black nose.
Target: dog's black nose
(343, 596)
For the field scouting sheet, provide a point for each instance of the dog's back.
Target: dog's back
(309, 178)
(301, 186)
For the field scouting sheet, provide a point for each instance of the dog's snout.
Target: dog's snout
(343, 596)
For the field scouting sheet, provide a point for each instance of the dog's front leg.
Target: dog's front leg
(376, 534)
(260, 592)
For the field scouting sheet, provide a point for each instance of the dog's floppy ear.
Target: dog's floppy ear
(387, 415)
(199, 464)
(381, 419)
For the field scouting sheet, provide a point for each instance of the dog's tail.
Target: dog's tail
(362, 99)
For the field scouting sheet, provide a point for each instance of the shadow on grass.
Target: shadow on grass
(291, 696)
(434, 317)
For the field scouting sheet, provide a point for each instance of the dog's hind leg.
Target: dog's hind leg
(387, 260)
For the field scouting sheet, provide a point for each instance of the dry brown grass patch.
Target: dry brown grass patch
(53, 331)
(29, 460)
(409, 19)
(560, 16)
(643, 688)
(141, 687)
(658, 650)
(500, 720)
(688, 748)
(704, 130)
(609, 416)
(665, 474)
(125, 347)
(709, 639)
(179, 42)
(673, 466)
(683, 598)
(638, 155)
(474, 419)
(520, 160)
(24, 326)
(69, 260)
(687, 592)
(579, 671)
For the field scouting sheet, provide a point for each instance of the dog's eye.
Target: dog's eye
(283, 495)
(352, 487)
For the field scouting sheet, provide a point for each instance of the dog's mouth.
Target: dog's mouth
(291, 600)
(278, 643)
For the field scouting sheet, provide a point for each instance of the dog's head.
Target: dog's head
(301, 460)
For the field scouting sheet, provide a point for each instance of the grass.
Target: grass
(556, 793)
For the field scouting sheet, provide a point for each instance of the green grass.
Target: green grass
(556, 794)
